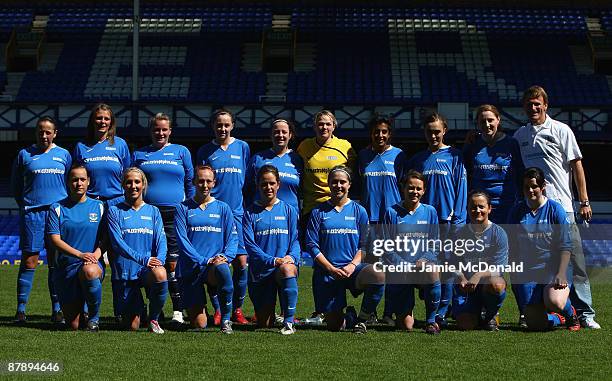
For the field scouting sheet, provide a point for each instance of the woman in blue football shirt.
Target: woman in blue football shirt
(139, 244)
(207, 240)
(493, 163)
(271, 240)
(287, 161)
(106, 156)
(336, 236)
(418, 222)
(543, 245)
(477, 291)
(38, 180)
(75, 227)
(229, 156)
(169, 173)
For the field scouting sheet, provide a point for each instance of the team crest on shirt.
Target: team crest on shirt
(58, 159)
(389, 162)
(110, 148)
(349, 218)
(148, 218)
(440, 160)
(214, 215)
(93, 217)
(237, 157)
(289, 165)
(421, 222)
(279, 218)
(332, 158)
(168, 153)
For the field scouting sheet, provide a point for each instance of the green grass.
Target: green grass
(311, 353)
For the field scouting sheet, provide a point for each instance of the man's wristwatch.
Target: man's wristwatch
(585, 203)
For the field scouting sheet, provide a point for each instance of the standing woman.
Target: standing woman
(75, 229)
(335, 237)
(494, 164)
(289, 164)
(271, 239)
(481, 290)
(104, 154)
(139, 245)
(169, 173)
(229, 156)
(442, 166)
(320, 154)
(381, 167)
(207, 241)
(38, 180)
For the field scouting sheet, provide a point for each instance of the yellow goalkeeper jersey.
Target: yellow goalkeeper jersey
(318, 161)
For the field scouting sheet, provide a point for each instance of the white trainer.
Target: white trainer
(226, 327)
(177, 317)
(287, 329)
(590, 324)
(155, 328)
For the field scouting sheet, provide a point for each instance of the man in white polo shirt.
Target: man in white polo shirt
(551, 146)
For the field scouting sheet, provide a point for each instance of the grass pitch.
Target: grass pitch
(382, 353)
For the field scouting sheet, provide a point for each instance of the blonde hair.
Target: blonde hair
(140, 173)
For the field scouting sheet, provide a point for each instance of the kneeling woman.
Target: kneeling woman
(270, 237)
(74, 229)
(336, 234)
(207, 241)
(139, 245)
(543, 244)
(486, 290)
(413, 219)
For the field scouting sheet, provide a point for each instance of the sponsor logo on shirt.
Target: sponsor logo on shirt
(93, 217)
(102, 158)
(272, 232)
(288, 175)
(159, 162)
(435, 172)
(206, 228)
(332, 158)
(341, 231)
(228, 170)
(46, 171)
(138, 231)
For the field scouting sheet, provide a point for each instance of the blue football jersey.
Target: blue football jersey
(230, 168)
(492, 247)
(203, 233)
(105, 164)
(446, 188)
(539, 236)
(39, 178)
(290, 167)
(419, 226)
(78, 224)
(136, 236)
(381, 174)
(270, 234)
(169, 172)
(337, 235)
(498, 170)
